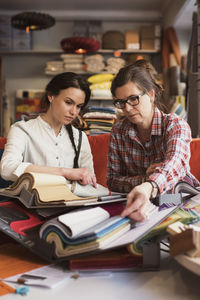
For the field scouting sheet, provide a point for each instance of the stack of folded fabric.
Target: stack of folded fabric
(99, 119)
(114, 64)
(179, 106)
(94, 63)
(72, 62)
(54, 67)
(100, 85)
(82, 231)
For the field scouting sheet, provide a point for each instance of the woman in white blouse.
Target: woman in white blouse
(49, 143)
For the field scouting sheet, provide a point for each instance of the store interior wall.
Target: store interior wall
(27, 71)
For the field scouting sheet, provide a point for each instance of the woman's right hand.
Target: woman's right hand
(83, 175)
(151, 168)
(138, 202)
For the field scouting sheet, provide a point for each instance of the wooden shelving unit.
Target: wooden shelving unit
(57, 51)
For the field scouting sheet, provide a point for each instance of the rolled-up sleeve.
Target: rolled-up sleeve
(176, 163)
(12, 165)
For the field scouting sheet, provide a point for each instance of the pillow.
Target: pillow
(98, 78)
(195, 157)
(101, 85)
(99, 147)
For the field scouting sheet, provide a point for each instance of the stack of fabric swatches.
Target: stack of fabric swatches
(100, 119)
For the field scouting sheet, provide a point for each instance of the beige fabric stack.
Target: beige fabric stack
(54, 67)
(94, 63)
(114, 64)
(72, 62)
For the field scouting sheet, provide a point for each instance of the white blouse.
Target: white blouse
(35, 142)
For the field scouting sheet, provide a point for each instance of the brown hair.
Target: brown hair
(144, 75)
(64, 81)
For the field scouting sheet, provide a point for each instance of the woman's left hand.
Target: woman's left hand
(82, 175)
(138, 202)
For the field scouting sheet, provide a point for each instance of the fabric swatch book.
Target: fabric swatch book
(187, 188)
(71, 237)
(186, 216)
(39, 189)
(110, 231)
(83, 230)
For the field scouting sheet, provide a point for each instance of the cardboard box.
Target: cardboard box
(5, 20)
(5, 31)
(20, 34)
(132, 40)
(150, 32)
(150, 44)
(5, 43)
(21, 44)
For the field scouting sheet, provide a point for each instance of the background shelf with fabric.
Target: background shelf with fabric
(32, 68)
(24, 68)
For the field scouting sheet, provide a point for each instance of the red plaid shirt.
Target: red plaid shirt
(128, 158)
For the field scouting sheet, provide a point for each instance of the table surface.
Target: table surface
(172, 281)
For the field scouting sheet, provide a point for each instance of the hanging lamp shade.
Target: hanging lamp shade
(79, 44)
(32, 21)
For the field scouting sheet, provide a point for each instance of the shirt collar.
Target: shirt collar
(49, 127)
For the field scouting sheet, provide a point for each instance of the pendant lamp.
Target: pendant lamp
(32, 21)
(79, 44)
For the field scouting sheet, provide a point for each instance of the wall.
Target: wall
(26, 70)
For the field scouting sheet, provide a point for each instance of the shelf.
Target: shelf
(78, 72)
(128, 51)
(10, 52)
(59, 51)
(101, 98)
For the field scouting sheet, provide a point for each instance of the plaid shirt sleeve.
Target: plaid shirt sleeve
(176, 164)
(117, 180)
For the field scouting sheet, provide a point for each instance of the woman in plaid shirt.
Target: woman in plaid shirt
(149, 150)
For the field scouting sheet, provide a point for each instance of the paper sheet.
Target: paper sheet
(48, 277)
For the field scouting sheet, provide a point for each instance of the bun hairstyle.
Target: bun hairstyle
(64, 81)
(143, 74)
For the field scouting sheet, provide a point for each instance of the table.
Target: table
(172, 282)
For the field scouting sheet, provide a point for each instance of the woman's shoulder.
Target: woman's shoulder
(172, 122)
(24, 127)
(77, 133)
(26, 124)
(174, 118)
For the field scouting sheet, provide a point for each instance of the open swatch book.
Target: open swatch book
(39, 189)
(83, 230)
(93, 229)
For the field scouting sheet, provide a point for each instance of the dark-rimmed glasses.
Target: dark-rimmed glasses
(131, 100)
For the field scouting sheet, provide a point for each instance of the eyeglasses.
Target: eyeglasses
(131, 100)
